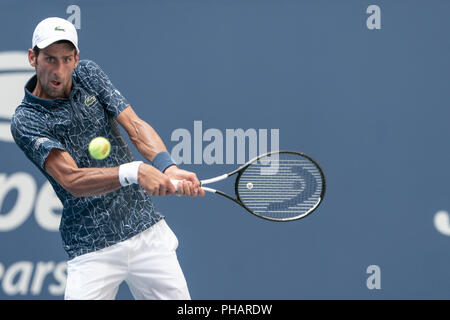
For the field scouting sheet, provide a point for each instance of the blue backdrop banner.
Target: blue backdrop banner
(361, 86)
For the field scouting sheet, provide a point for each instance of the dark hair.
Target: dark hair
(37, 50)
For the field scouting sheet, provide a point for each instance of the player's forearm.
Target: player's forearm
(80, 182)
(146, 140)
(143, 136)
(85, 182)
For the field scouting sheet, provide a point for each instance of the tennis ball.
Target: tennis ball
(99, 148)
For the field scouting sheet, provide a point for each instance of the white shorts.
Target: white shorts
(147, 262)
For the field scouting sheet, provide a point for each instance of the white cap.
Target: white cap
(54, 29)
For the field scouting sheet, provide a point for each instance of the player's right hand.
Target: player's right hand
(154, 182)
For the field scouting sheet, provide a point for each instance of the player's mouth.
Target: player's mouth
(55, 83)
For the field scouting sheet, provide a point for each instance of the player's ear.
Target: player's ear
(32, 58)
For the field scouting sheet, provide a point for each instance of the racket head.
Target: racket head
(281, 185)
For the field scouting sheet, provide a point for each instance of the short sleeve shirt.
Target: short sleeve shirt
(40, 125)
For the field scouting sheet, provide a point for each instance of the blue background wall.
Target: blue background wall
(371, 106)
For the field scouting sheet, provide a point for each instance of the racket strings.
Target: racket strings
(284, 188)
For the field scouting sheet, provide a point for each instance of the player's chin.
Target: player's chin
(55, 93)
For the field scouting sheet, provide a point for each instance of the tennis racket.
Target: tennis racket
(277, 186)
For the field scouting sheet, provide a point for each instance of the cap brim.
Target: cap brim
(45, 43)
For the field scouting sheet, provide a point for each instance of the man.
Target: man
(109, 226)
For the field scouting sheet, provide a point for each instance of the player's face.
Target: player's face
(54, 67)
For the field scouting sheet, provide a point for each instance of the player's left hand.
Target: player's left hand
(189, 184)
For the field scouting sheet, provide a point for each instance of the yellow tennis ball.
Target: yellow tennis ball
(99, 148)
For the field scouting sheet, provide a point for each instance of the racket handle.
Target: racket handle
(175, 183)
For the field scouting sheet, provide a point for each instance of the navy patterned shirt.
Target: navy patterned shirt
(40, 125)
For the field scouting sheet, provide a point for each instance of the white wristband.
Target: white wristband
(128, 173)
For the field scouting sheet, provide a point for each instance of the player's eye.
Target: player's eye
(50, 59)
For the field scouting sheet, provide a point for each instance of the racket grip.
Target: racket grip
(175, 183)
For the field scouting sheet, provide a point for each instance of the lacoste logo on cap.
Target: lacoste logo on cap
(59, 29)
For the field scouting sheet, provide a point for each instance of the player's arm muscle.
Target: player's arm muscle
(141, 134)
(80, 182)
(149, 143)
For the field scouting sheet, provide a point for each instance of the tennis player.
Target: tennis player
(109, 226)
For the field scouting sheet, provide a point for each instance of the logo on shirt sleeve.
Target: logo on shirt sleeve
(40, 141)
